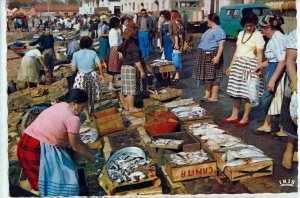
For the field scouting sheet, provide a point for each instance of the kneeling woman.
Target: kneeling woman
(132, 73)
(41, 150)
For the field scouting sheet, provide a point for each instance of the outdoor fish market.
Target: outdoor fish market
(140, 120)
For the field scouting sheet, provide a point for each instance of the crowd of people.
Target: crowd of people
(124, 45)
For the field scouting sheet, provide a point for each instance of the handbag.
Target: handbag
(253, 90)
(176, 59)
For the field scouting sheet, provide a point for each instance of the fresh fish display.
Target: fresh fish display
(207, 131)
(125, 168)
(164, 142)
(200, 126)
(90, 135)
(194, 111)
(241, 154)
(181, 102)
(187, 158)
(245, 161)
(160, 62)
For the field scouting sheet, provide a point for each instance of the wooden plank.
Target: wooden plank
(186, 172)
(143, 191)
(175, 187)
(171, 93)
(161, 69)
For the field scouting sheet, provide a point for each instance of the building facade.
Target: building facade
(92, 6)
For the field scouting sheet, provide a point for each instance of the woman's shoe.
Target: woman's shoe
(261, 132)
(225, 121)
(238, 124)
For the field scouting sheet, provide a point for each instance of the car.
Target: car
(230, 16)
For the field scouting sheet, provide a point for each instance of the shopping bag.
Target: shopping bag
(294, 108)
(163, 56)
(253, 90)
(176, 59)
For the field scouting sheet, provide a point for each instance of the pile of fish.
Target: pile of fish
(125, 168)
(178, 103)
(190, 112)
(235, 152)
(88, 135)
(188, 158)
(160, 62)
(170, 142)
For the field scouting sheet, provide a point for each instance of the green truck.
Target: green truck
(230, 16)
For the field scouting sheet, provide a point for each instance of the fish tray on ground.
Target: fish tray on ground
(169, 94)
(190, 143)
(190, 171)
(240, 172)
(149, 185)
(161, 69)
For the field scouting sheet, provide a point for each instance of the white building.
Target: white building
(89, 6)
(134, 6)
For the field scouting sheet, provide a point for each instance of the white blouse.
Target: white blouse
(114, 37)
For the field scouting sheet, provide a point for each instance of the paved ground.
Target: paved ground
(273, 147)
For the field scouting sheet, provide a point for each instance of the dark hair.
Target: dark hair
(123, 19)
(46, 27)
(276, 23)
(114, 22)
(214, 17)
(249, 18)
(75, 95)
(86, 42)
(166, 14)
(143, 10)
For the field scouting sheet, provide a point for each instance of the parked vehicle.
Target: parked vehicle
(230, 16)
(193, 10)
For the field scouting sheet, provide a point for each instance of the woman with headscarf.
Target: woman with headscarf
(247, 57)
(132, 72)
(85, 61)
(114, 57)
(275, 63)
(103, 40)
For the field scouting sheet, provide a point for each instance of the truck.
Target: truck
(194, 12)
(230, 16)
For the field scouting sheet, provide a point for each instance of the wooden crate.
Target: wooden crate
(110, 124)
(161, 69)
(190, 143)
(186, 172)
(171, 93)
(151, 182)
(175, 187)
(150, 102)
(241, 172)
(185, 124)
(105, 112)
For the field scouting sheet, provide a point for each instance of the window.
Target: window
(187, 4)
(133, 6)
(234, 13)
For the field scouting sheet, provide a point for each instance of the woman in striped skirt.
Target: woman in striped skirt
(209, 66)
(86, 61)
(243, 64)
(132, 72)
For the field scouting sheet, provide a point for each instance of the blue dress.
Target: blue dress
(167, 42)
